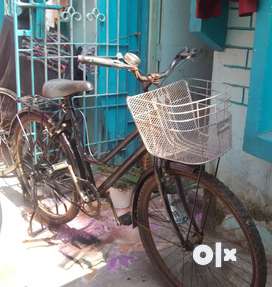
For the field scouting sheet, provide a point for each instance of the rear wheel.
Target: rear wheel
(45, 163)
(209, 215)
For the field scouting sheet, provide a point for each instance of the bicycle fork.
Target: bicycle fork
(160, 179)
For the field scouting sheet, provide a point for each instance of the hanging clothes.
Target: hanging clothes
(212, 8)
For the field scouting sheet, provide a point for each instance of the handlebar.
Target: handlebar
(184, 54)
(154, 78)
(101, 61)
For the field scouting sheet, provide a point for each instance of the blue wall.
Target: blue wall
(258, 133)
(2, 9)
(116, 121)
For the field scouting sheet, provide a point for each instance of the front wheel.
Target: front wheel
(209, 239)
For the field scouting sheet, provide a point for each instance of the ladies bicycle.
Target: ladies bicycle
(177, 206)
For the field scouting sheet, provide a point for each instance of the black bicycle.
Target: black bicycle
(177, 207)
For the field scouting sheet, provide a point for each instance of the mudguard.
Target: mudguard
(136, 192)
(171, 166)
(22, 113)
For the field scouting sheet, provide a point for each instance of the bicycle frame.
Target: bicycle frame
(68, 122)
(85, 160)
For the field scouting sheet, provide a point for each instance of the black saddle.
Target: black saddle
(60, 88)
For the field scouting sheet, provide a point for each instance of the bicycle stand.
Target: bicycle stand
(30, 227)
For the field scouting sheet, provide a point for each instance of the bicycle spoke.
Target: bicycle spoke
(196, 208)
(38, 153)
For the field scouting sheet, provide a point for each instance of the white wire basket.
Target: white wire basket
(187, 121)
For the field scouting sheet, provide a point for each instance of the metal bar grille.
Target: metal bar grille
(50, 34)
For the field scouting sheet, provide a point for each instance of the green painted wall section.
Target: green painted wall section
(39, 20)
(2, 10)
(258, 133)
(212, 31)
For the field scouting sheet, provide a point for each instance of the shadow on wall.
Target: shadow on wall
(169, 33)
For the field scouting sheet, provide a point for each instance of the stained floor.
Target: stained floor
(85, 252)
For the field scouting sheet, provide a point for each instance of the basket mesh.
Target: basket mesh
(186, 121)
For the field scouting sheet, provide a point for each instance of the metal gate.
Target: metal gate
(49, 34)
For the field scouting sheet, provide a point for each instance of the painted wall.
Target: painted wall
(169, 33)
(2, 9)
(248, 176)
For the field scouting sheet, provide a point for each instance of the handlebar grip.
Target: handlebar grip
(186, 53)
(195, 52)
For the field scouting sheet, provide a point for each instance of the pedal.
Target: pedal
(125, 219)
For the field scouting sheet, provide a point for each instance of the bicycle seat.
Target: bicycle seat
(60, 88)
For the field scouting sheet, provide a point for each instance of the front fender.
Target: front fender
(136, 193)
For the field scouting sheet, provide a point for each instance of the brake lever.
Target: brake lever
(187, 53)
(196, 52)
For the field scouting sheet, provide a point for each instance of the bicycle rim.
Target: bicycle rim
(226, 223)
(7, 111)
(44, 163)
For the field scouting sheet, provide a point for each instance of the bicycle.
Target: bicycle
(8, 109)
(8, 116)
(176, 207)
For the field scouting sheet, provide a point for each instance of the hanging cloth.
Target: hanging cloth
(212, 8)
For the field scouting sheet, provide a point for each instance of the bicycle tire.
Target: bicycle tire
(8, 166)
(7, 110)
(231, 202)
(47, 184)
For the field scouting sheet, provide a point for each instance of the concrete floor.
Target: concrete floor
(86, 252)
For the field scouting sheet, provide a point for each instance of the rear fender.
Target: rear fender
(16, 120)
